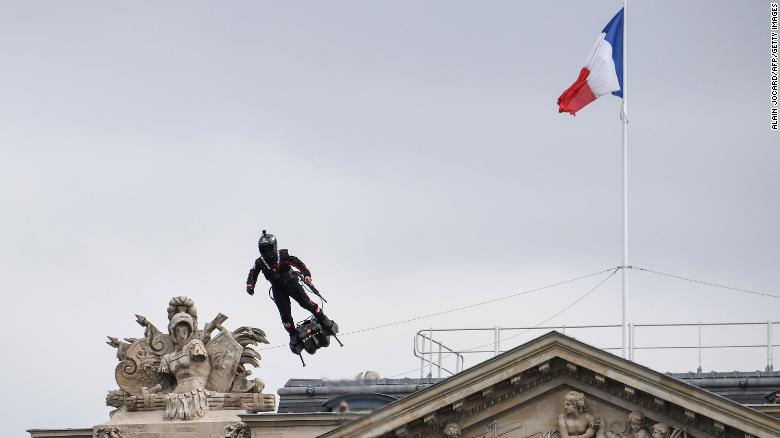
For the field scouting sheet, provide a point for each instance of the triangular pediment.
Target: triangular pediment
(521, 393)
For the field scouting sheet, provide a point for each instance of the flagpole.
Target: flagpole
(624, 119)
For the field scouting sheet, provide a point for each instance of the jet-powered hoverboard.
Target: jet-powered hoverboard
(311, 334)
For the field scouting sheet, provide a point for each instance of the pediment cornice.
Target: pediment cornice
(549, 363)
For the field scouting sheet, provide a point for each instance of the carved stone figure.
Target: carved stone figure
(108, 432)
(189, 362)
(190, 365)
(661, 430)
(237, 430)
(576, 421)
(185, 372)
(452, 430)
(634, 428)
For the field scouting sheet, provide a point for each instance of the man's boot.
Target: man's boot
(295, 343)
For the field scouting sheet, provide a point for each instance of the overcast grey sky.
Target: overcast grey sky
(409, 152)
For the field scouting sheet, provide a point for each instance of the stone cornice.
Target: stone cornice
(535, 357)
(773, 410)
(45, 433)
(318, 419)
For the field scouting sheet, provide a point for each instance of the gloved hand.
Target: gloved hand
(250, 289)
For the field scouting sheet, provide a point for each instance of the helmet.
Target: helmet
(182, 318)
(268, 247)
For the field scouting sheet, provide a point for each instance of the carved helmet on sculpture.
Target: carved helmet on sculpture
(181, 318)
(268, 247)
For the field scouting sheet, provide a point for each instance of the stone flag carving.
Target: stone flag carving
(186, 372)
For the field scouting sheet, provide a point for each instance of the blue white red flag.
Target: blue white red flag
(603, 71)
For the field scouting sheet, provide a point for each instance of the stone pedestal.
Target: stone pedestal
(150, 424)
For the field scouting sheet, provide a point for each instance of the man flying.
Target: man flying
(277, 267)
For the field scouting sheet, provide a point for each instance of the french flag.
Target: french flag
(603, 71)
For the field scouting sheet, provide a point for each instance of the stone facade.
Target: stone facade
(61, 433)
(153, 424)
(551, 387)
(555, 386)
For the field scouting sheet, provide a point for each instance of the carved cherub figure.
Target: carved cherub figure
(576, 421)
(635, 427)
(661, 430)
(452, 430)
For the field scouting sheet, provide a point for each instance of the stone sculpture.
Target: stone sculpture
(190, 365)
(661, 430)
(237, 430)
(576, 421)
(452, 430)
(187, 372)
(634, 427)
(107, 432)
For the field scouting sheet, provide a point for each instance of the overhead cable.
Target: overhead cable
(469, 306)
(679, 277)
(567, 307)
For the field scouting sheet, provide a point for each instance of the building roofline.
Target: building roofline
(544, 348)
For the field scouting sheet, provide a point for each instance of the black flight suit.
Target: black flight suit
(284, 285)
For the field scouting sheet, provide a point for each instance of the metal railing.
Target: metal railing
(442, 352)
(434, 357)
